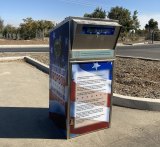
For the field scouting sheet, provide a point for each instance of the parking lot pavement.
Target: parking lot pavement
(24, 116)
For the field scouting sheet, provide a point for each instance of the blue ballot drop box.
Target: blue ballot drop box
(82, 54)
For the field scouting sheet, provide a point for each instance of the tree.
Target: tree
(123, 15)
(43, 28)
(49, 26)
(136, 23)
(97, 13)
(129, 22)
(30, 28)
(10, 32)
(157, 36)
(1, 25)
(7, 31)
(152, 25)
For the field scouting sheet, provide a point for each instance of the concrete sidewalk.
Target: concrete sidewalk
(138, 44)
(24, 116)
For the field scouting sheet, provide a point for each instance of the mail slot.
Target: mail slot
(82, 54)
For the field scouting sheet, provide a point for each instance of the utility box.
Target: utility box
(82, 54)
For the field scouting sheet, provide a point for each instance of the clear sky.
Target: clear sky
(13, 11)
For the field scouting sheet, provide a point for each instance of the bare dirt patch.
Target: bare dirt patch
(137, 77)
(22, 42)
(133, 77)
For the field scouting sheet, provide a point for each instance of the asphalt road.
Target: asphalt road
(147, 51)
(25, 49)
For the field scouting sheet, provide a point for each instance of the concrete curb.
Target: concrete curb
(136, 102)
(135, 44)
(118, 100)
(39, 65)
(132, 57)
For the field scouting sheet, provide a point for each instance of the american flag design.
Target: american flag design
(90, 97)
(58, 91)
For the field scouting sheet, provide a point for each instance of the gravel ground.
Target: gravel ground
(133, 77)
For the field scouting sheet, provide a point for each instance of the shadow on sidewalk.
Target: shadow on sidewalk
(20, 122)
